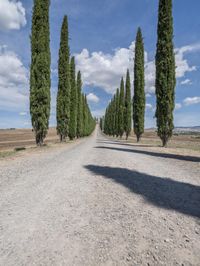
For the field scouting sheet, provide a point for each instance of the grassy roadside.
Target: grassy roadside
(187, 142)
(5, 154)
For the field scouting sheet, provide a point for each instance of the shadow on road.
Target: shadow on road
(162, 192)
(155, 154)
(127, 144)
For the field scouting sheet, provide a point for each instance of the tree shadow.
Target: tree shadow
(162, 192)
(127, 144)
(155, 154)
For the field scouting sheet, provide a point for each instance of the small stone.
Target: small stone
(167, 240)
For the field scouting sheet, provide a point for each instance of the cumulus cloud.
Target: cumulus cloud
(14, 87)
(150, 107)
(12, 15)
(22, 113)
(191, 100)
(105, 70)
(178, 106)
(91, 97)
(98, 112)
(181, 62)
(186, 82)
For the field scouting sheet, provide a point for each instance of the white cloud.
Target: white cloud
(186, 82)
(181, 62)
(12, 15)
(178, 106)
(22, 113)
(149, 106)
(54, 72)
(191, 100)
(105, 70)
(14, 88)
(92, 98)
(98, 112)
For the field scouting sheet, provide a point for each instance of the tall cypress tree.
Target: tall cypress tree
(127, 112)
(165, 72)
(139, 87)
(73, 103)
(121, 109)
(63, 96)
(117, 113)
(84, 115)
(40, 70)
(114, 115)
(79, 130)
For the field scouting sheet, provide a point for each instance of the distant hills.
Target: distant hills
(195, 129)
(187, 129)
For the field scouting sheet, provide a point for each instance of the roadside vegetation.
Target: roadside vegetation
(113, 122)
(71, 102)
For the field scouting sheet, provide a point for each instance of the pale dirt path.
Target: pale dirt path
(99, 203)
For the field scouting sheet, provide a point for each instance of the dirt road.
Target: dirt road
(100, 202)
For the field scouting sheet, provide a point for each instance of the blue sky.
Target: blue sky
(102, 34)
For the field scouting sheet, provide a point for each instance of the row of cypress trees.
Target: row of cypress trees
(119, 114)
(74, 118)
(165, 84)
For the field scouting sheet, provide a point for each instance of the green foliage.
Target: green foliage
(117, 113)
(165, 72)
(112, 116)
(73, 101)
(101, 123)
(121, 109)
(139, 87)
(63, 96)
(79, 130)
(127, 111)
(88, 121)
(40, 70)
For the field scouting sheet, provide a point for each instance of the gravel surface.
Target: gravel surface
(100, 202)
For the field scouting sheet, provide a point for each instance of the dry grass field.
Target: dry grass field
(15, 138)
(184, 141)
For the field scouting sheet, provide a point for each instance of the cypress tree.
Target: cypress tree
(84, 111)
(139, 87)
(165, 72)
(101, 123)
(79, 130)
(117, 114)
(63, 96)
(73, 101)
(40, 70)
(127, 112)
(121, 109)
(114, 115)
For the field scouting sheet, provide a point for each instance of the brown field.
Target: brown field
(186, 141)
(11, 139)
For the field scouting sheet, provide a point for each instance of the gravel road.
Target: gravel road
(100, 202)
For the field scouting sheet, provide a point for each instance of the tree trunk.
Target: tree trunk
(164, 142)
